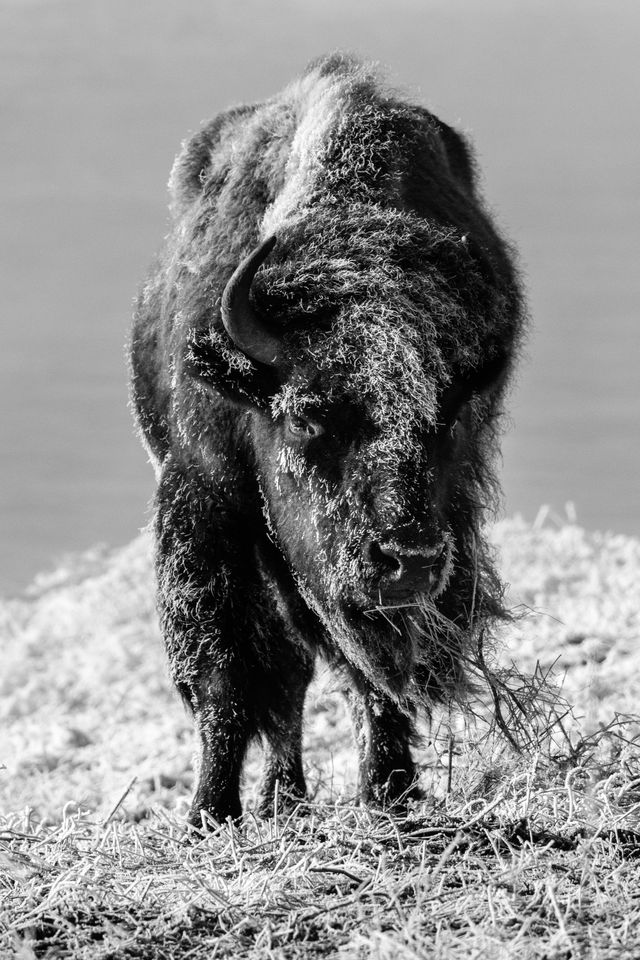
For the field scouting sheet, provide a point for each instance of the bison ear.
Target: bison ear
(194, 164)
(217, 370)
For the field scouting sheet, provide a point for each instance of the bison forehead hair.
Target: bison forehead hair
(391, 307)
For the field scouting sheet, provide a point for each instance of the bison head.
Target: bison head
(372, 383)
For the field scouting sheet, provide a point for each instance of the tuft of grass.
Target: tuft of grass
(547, 867)
(526, 846)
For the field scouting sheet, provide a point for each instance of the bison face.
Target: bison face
(363, 521)
(359, 530)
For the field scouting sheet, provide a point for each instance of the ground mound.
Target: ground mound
(87, 704)
(510, 856)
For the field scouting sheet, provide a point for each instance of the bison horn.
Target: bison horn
(244, 326)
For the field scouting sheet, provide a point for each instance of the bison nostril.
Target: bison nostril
(385, 558)
(405, 571)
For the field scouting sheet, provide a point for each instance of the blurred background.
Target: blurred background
(98, 94)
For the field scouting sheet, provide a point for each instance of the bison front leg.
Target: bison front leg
(207, 669)
(224, 727)
(215, 627)
(386, 770)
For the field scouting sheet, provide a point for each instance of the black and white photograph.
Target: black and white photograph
(319, 497)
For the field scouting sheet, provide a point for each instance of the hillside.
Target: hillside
(97, 771)
(87, 704)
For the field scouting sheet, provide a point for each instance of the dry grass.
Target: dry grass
(514, 855)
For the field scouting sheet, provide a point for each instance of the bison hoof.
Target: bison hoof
(392, 795)
(203, 821)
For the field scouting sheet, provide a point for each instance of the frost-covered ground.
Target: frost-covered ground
(86, 705)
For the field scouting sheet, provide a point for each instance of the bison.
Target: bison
(318, 361)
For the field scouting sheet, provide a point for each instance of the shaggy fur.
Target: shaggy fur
(399, 309)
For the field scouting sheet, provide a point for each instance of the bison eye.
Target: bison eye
(301, 427)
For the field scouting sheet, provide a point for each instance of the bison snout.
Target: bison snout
(404, 571)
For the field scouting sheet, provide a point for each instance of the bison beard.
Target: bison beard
(318, 360)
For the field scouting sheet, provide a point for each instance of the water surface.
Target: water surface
(96, 98)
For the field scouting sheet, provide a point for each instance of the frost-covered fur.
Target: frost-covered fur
(399, 309)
